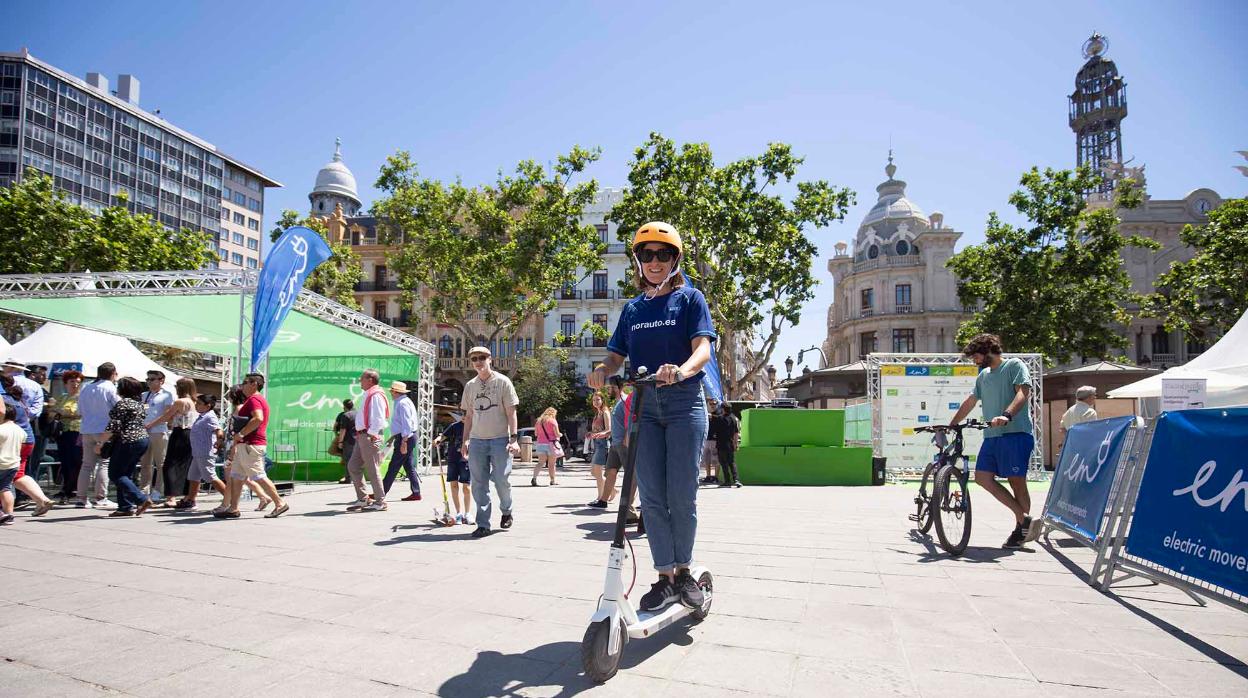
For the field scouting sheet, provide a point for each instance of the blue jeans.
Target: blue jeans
(672, 429)
(488, 460)
(121, 467)
(402, 461)
(600, 448)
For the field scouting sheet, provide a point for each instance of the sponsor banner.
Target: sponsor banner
(59, 369)
(1191, 515)
(913, 396)
(1079, 492)
(306, 394)
(295, 254)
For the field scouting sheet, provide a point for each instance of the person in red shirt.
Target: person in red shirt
(249, 454)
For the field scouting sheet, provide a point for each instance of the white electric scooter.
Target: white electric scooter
(616, 621)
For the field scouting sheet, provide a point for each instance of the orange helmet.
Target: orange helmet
(658, 231)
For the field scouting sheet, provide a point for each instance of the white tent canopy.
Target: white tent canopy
(57, 343)
(1224, 366)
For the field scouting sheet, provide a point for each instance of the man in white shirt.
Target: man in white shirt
(370, 421)
(94, 403)
(403, 437)
(1082, 411)
(32, 392)
(156, 399)
(489, 405)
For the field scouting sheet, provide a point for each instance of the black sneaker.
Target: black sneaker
(661, 595)
(598, 504)
(1015, 540)
(505, 522)
(691, 595)
(736, 483)
(481, 533)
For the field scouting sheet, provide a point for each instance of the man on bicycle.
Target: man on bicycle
(1003, 386)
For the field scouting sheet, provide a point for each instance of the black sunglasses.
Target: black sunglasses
(477, 358)
(664, 255)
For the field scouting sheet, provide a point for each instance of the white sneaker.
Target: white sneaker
(358, 505)
(460, 518)
(104, 504)
(377, 506)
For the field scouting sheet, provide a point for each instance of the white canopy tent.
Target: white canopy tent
(57, 343)
(1224, 366)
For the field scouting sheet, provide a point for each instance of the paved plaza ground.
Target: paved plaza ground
(819, 592)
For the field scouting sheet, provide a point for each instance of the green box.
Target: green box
(780, 427)
(828, 465)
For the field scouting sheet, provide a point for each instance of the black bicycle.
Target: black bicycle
(949, 505)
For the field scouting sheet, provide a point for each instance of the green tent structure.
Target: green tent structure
(312, 365)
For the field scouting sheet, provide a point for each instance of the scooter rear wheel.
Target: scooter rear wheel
(707, 582)
(596, 656)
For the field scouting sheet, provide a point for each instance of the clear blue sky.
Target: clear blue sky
(970, 94)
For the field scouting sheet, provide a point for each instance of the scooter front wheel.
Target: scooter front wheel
(707, 582)
(596, 656)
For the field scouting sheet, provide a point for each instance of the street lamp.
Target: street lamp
(821, 355)
(771, 375)
(788, 368)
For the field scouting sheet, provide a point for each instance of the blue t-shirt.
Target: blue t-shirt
(995, 390)
(23, 417)
(618, 426)
(661, 330)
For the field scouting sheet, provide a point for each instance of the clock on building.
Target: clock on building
(1202, 205)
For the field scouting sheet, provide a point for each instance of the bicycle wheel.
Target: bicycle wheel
(951, 503)
(923, 500)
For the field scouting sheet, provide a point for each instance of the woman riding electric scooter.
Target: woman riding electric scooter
(668, 327)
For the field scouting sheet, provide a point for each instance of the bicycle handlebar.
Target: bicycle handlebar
(968, 424)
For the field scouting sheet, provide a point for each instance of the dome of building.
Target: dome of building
(335, 178)
(893, 204)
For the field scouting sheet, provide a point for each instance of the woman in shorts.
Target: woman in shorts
(600, 438)
(546, 428)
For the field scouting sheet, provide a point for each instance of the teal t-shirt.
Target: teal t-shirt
(995, 390)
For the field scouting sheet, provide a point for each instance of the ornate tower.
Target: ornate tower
(335, 186)
(1097, 107)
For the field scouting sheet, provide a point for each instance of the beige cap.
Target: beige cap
(398, 387)
(478, 350)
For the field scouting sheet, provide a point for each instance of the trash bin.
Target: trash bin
(879, 470)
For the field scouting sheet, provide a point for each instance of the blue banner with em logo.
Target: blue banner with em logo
(1085, 474)
(1191, 515)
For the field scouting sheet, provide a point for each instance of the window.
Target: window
(252, 263)
(236, 176)
(254, 204)
(903, 247)
(602, 232)
(1161, 341)
(866, 343)
(868, 298)
(567, 325)
(170, 186)
(125, 144)
(600, 285)
(236, 258)
(600, 319)
(379, 310)
(239, 199)
(191, 194)
(873, 251)
(914, 249)
(239, 218)
(253, 224)
(903, 340)
(237, 238)
(228, 194)
(446, 348)
(253, 244)
(124, 168)
(225, 214)
(902, 293)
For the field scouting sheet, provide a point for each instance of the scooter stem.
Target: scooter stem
(641, 386)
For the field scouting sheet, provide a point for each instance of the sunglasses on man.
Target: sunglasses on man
(664, 255)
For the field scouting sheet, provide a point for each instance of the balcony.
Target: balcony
(617, 248)
(568, 294)
(866, 312)
(501, 363)
(888, 262)
(903, 309)
(374, 286)
(600, 294)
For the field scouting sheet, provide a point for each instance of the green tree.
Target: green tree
(545, 378)
(1207, 294)
(336, 277)
(497, 253)
(1058, 286)
(42, 232)
(746, 247)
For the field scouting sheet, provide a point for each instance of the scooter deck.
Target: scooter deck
(651, 622)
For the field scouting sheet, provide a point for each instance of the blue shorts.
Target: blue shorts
(601, 447)
(7, 477)
(1007, 455)
(457, 469)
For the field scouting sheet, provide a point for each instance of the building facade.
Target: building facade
(96, 143)
(599, 298)
(892, 291)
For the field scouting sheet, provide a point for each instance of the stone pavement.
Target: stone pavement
(820, 592)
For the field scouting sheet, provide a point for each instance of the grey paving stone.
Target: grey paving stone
(820, 677)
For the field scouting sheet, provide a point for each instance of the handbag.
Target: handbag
(106, 449)
(335, 449)
(556, 448)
